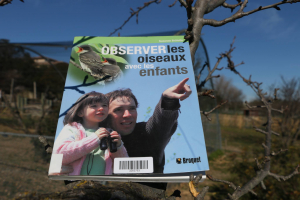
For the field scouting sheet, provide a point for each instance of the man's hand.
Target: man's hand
(180, 91)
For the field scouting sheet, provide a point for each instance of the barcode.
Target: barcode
(133, 164)
(129, 165)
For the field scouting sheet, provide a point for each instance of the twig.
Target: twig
(207, 113)
(207, 93)
(281, 110)
(251, 107)
(263, 185)
(273, 153)
(5, 2)
(264, 145)
(275, 93)
(135, 13)
(173, 4)
(240, 13)
(284, 178)
(232, 7)
(183, 3)
(230, 184)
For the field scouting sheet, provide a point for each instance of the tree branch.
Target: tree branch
(5, 2)
(135, 13)
(206, 114)
(281, 110)
(251, 107)
(240, 13)
(207, 93)
(173, 4)
(273, 153)
(232, 7)
(284, 178)
(275, 93)
(230, 184)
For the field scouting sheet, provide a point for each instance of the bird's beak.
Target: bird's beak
(79, 50)
(105, 61)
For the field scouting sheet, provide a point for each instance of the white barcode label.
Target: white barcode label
(133, 165)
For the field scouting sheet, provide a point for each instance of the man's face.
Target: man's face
(122, 115)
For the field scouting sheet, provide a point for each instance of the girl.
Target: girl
(80, 138)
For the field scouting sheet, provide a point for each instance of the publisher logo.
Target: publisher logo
(178, 160)
(188, 160)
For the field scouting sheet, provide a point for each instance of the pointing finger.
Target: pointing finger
(182, 83)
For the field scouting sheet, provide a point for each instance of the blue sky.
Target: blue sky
(267, 41)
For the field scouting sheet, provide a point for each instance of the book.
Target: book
(161, 139)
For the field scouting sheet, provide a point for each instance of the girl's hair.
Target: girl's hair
(81, 103)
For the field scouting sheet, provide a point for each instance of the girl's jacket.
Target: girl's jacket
(74, 144)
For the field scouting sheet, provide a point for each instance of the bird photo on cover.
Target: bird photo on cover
(91, 62)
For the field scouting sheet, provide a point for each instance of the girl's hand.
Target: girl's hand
(116, 138)
(101, 133)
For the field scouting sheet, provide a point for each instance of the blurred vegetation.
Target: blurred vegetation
(16, 63)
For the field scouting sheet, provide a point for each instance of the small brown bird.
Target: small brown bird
(91, 62)
(111, 68)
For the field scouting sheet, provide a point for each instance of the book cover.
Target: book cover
(151, 103)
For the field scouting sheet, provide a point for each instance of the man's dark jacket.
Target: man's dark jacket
(150, 138)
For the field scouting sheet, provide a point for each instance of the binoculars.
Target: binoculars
(112, 145)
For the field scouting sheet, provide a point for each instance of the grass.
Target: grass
(21, 171)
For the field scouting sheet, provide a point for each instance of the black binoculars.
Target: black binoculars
(105, 140)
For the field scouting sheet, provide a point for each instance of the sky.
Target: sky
(268, 41)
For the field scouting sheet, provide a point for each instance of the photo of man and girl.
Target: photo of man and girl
(96, 116)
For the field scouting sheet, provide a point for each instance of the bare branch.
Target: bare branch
(207, 113)
(135, 13)
(173, 4)
(230, 184)
(183, 3)
(252, 192)
(284, 178)
(232, 7)
(240, 13)
(258, 164)
(275, 93)
(251, 107)
(273, 132)
(273, 153)
(263, 185)
(264, 145)
(5, 2)
(207, 93)
(202, 193)
(281, 110)
(259, 130)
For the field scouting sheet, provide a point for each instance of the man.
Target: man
(147, 139)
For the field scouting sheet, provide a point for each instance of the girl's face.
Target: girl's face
(93, 114)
